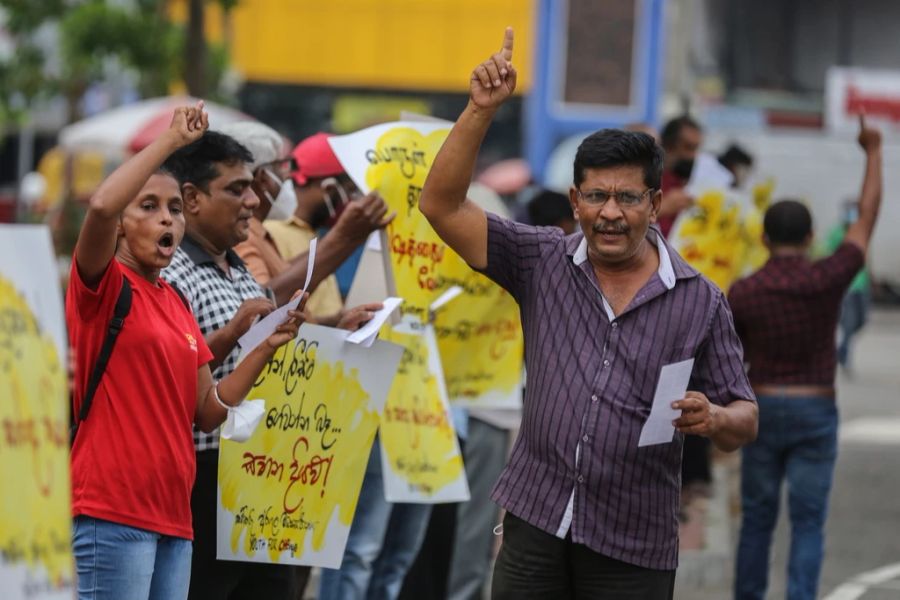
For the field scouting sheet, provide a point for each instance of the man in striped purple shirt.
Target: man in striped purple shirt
(590, 514)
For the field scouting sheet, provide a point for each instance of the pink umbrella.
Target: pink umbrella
(130, 128)
(507, 176)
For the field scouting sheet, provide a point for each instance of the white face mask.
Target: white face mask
(332, 183)
(283, 205)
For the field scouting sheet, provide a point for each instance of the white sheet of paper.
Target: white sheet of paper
(673, 383)
(258, 333)
(708, 174)
(374, 241)
(310, 263)
(366, 334)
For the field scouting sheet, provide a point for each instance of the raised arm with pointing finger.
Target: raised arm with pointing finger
(860, 232)
(460, 222)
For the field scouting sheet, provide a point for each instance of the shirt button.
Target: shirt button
(580, 479)
(605, 363)
(585, 438)
(615, 325)
(594, 398)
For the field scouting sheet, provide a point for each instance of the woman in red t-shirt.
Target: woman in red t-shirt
(133, 457)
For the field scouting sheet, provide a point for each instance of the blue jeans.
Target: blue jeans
(118, 562)
(797, 441)
(383, 543)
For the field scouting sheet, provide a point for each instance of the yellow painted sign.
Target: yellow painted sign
(288, 494)
(479, 335)
(35, 511)
(721, 235)
(420, 455)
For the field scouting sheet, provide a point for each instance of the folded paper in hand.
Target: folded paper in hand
(366, 335)
(672, 386)
(257, 334)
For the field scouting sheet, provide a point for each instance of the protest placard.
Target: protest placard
(479, 336)
(421, 459)
(35, 513)
(721, 234)
(288, 494)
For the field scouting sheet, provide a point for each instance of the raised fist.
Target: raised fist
(188, 124)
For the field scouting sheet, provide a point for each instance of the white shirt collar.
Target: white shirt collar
(665, 271)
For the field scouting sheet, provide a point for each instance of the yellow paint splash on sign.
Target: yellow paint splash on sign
(721, 237)
(417, 435)
(306, 460)
(35, 518)
(479, 335)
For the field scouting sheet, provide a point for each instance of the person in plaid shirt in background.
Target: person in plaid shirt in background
(786, 315)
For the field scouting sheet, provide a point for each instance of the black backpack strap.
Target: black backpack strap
(123, 305)
(183, 298)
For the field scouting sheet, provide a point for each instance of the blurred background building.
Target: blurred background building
(779, 76)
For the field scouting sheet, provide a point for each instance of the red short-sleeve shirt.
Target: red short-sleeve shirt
(133, 459)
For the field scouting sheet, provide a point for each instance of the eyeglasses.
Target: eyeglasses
(625, 198)
(288, 164)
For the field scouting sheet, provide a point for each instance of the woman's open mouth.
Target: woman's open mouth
(166, 244)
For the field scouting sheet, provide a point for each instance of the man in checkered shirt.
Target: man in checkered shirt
(216, 179)
(221, 181)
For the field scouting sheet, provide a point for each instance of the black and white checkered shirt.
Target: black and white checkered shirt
(215, 298)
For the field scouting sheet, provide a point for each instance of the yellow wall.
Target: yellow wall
(396, 44)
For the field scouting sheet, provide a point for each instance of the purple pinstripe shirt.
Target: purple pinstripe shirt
(590, 387)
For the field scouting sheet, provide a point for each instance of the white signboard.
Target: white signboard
(850, 91)
(288, 494)
(35, 510)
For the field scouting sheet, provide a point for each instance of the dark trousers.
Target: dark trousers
(429, 575)
(696, 464)
(213, 579)
(536, 565)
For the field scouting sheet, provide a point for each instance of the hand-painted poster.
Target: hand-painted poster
(721, 234)
(35, 514)
(288, 494)
(420, 457)
(479, 335)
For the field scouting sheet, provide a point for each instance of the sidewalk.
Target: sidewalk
(707, 536)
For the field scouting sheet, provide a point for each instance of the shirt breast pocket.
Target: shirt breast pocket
(678, 354)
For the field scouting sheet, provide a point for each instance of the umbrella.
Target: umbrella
(130, 128)
(558, 171)
(506, 177)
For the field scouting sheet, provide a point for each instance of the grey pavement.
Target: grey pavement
(862, 555)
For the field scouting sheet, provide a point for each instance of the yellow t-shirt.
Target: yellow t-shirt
(292, 237)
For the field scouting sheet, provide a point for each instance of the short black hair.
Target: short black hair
(614, 148)
(787, 223)
(672, 130)
(196, 162)
(735, 155)
(549, 208)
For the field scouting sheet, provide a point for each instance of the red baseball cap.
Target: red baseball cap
(315, 159)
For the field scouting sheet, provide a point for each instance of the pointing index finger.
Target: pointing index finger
(862, 120)
(507, 48)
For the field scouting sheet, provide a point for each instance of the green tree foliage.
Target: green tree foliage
(93, 32)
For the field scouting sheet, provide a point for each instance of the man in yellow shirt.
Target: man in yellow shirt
(314, 164)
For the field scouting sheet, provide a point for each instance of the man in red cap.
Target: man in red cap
(324, 193)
